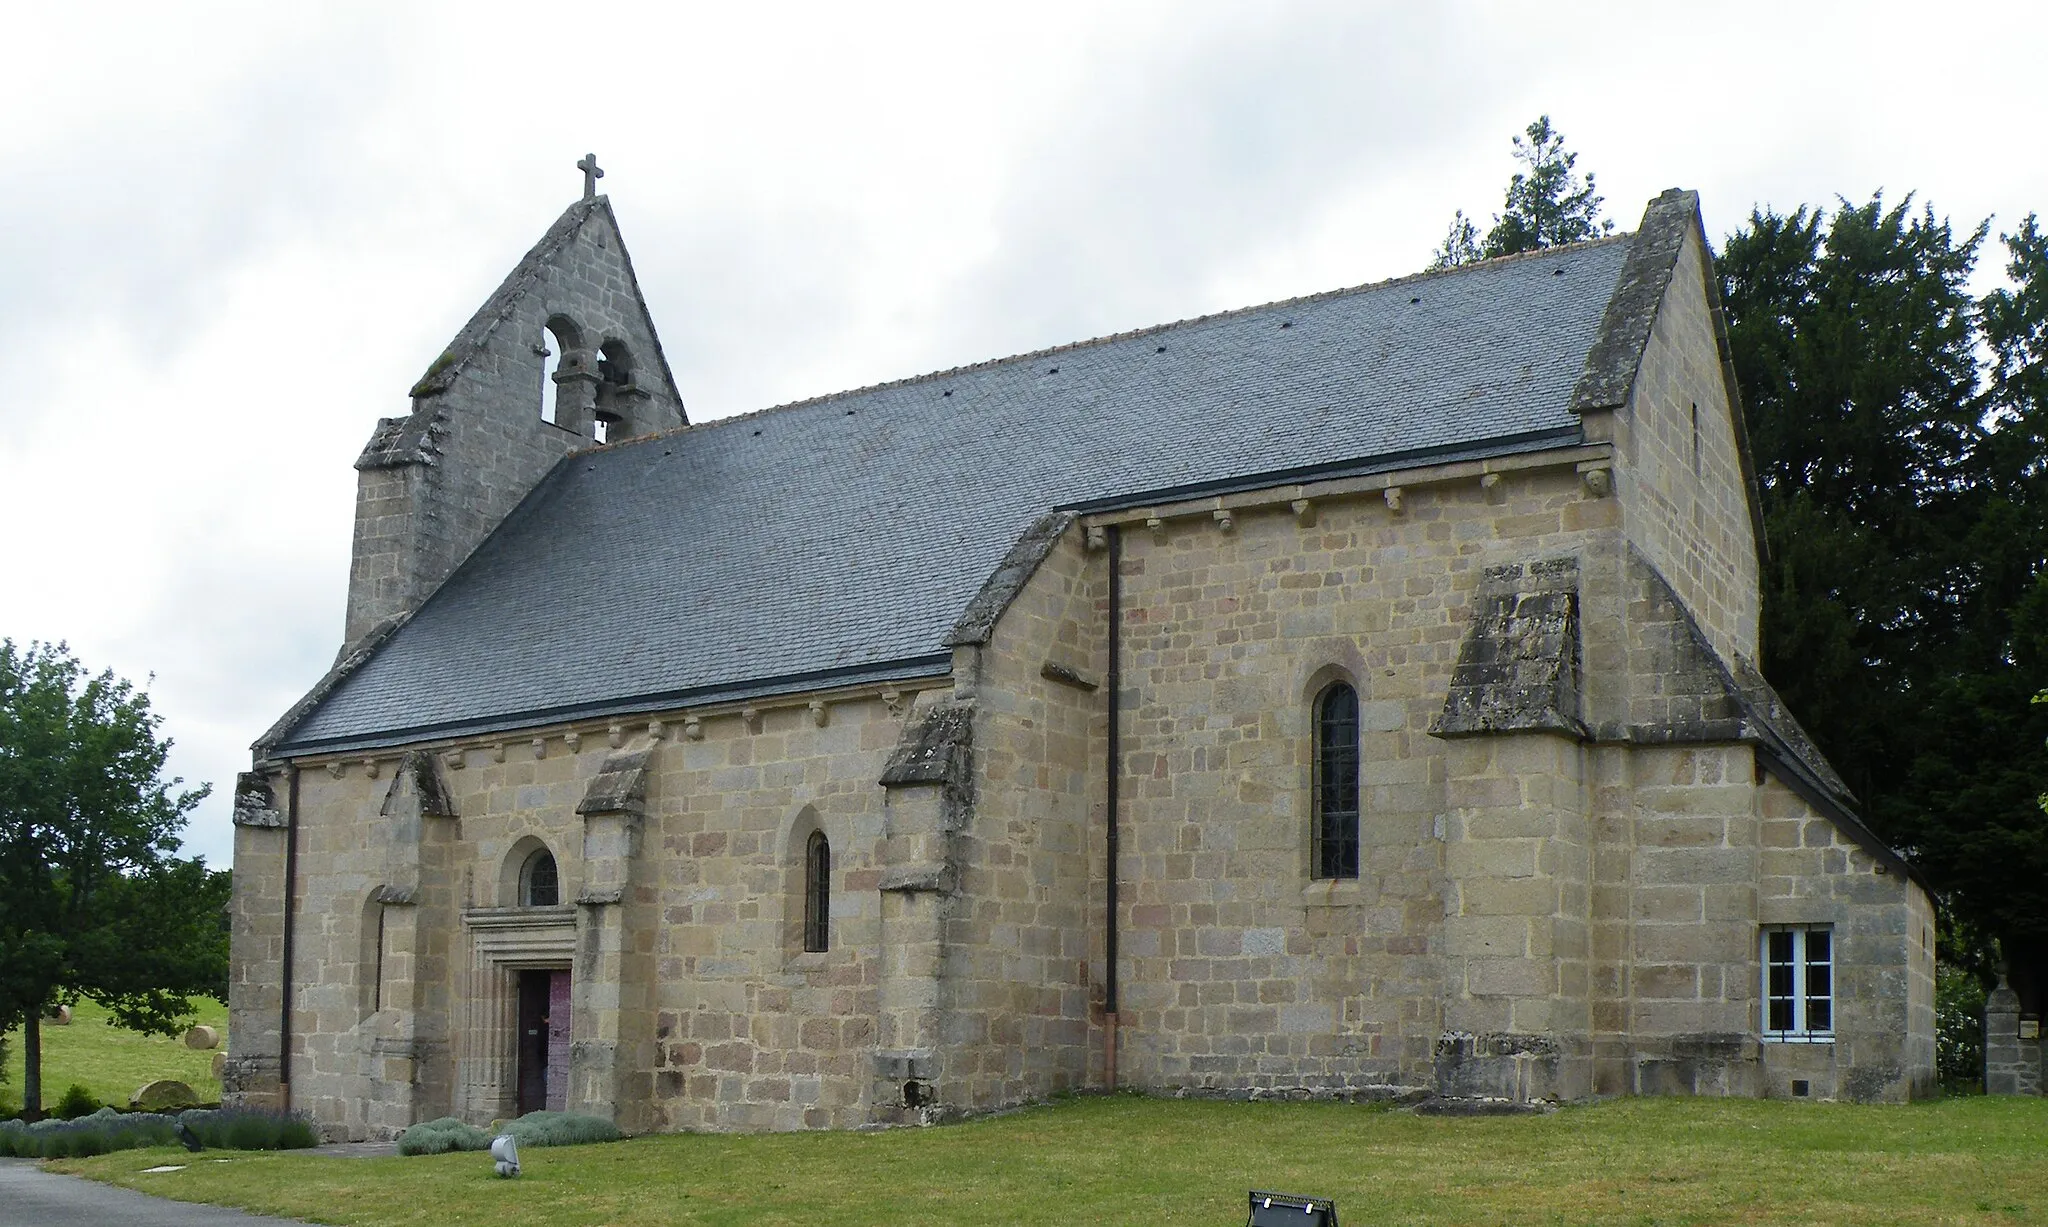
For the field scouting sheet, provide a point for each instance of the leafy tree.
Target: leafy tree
(1906, 507)
(1460, 245)
(1546, 206)
(93, 902)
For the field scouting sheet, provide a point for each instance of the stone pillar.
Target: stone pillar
(1517, 938)
(406, 1063)
(1517, 942)
(2007, 1069)
(250, 1075)
(611, 1054)
(576, 383)
(927, 786)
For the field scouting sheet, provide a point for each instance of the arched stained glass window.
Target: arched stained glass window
(1334, 850)
(539, 884)
(817, 892)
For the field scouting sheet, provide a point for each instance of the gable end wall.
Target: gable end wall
(1688, 510)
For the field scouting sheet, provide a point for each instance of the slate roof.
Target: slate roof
(840, 538)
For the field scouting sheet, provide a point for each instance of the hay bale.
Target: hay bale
(163, 1093)
(58, 1017)
(202, 1038)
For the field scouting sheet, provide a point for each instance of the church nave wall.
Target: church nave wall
(1243, 969)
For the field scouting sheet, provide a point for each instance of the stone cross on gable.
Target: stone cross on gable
(591, 174)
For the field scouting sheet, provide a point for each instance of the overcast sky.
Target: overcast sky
(232, 236)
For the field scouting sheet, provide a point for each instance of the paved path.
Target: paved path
(30, 1197)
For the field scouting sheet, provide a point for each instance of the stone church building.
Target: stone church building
(1342, 695)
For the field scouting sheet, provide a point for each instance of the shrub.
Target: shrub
(438, 1137)
(1959, 1030)
(561, 1129)
(77, 1102)
(248, 1129)
(108, 1130)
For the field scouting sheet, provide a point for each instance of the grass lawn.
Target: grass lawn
(1158, 1162)
(111, 1062)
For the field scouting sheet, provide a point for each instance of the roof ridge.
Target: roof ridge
(1126, 335)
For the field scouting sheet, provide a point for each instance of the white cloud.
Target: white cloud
(231, 236)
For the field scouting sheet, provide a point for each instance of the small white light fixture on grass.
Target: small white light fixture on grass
(506, 1151)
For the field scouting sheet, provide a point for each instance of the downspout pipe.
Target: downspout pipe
(291, 879)
(1111, 843)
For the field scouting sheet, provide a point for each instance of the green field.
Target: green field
(1162, 1162)
(111, 1062)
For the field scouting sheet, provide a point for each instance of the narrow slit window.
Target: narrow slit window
(550, 352)
(1799, 984)
(1335, 834)
(817, 893)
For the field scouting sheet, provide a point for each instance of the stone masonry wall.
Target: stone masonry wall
(1812, 874)
(1681, 487)
(1675, 901)
(1024, 950)
(1242, 970)
(255, 962)
(744, 1029)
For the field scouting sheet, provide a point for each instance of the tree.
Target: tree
(93, 903)
(1906, 509)
(1546, 206)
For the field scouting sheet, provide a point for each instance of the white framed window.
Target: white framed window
(1799, 984)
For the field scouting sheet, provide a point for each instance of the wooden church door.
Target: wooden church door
(558, 1041)
(543, 1041)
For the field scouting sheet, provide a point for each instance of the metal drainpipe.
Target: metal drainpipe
(1110, 841)
(291, 877)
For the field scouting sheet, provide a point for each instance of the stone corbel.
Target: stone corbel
(1066, 675)
(693, 728)
(1491, 488)
(1304, 512)
(1396, 498)
(540, 747)
(818, 712)
(255, 801)
(1096, 538)
(1226, 519)
(1157, 527)
(751, 717)
(573, 740)
(912, 879)
(1599, 480)
(892, 699)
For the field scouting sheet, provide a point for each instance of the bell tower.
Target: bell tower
(562, 356)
